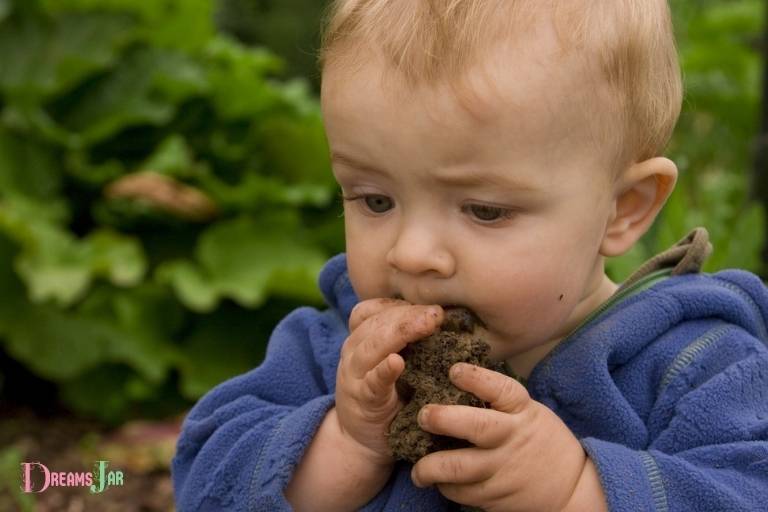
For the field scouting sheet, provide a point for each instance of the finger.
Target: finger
(460, 466)
(364, 313)
(368, 308)
(502, 392)
(389, 332)
(367, 316)
(471, 494)
(485, 428)
(379, 382)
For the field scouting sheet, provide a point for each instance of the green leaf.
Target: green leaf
(141, 8)
(61, 268)
(255, 192)
(246, 260)
(100, 392)
(78, 165)
(54, 270)
(181, 24)
(27, 167)
(730, 19)
(145, 89)
(116, 257)
(278, 26)
(110, 393)
(674, 223)
(177, 76)
(236, 75)
(5, 9)
(172, 157)
(57, 345)
(282, 135)
(192, 287)
(144, 320)
(57, 266)
(743, 245)
(12, 496)
(110, 326)
(120, 99)
(43, 57)
(14, 293)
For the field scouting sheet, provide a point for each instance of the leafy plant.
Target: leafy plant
(291, 28)
(713, 143)
(158, 184)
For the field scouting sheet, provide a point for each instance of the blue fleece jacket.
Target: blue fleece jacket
(667, 390)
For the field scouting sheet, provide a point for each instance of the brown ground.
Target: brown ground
(141, 450)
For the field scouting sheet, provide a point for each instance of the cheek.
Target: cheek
(532, 288)
(563, 274)
(531, 292)
(366, 261)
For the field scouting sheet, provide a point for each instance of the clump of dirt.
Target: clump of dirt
(425, 381)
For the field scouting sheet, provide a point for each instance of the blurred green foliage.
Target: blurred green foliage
(158, 183)
(166, 196)
(12, 497)
(290, 28)
(719, 43)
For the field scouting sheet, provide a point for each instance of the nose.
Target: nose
(420, 249)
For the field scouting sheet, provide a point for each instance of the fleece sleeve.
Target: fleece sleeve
(240, 443)
(707, 433)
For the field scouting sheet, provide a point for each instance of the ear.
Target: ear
(640, 194)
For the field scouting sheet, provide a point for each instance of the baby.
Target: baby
(491, 155)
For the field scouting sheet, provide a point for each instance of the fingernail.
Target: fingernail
(427, 320)
(456, 370)
(423, 415)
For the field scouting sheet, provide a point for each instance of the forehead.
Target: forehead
(525, 92)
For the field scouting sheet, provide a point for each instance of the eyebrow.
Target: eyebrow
(351, 162)
(457, 180)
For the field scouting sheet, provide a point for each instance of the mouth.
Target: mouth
(454, 310)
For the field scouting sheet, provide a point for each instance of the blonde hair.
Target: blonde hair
(629, 42)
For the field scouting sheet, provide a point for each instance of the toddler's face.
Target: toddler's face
(504, 215)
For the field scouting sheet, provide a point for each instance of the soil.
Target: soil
(425, 381)
(141, 450)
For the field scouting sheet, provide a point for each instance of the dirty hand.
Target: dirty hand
(524, 459)
(366, 399)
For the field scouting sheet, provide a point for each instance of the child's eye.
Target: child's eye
(376, 203)
(487, 213)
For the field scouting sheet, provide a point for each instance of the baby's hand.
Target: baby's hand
(366, 400)
(524, 459)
